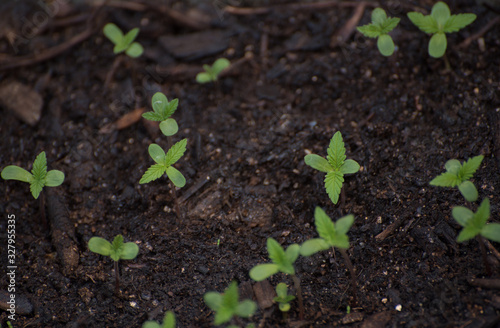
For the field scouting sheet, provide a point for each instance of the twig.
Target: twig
(296, 6)
(296, 282)
(493, 250)
(480, 240)
(465, 43)
(349, 27)
(389, 230)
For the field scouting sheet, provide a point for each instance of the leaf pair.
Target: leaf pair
(283, 299)
(335, 166)
(379, 28)
(212, 72)
(458, 174)
(118, 250)
(331, 234)
(162, 110)
(439, 22)
(164, 164)
(475, 223)
(123, 42)
(168, 322)
(38, 178)
(227, 305)
(282, 261)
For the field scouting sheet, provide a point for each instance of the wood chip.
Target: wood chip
(23, 101)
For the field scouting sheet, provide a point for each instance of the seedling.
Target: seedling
(458, 175)
(162, 110)
(118, 250)
(212, 72)
(282, 262)
(474, 225)
(38, 178)
(123, 43)
(283, 299)
(438, 23)
(331, 235)
(168, 322)
(335, 166)
(379, 28)
(227, 305)
(164, 164)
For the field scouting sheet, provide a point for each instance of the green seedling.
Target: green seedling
(164, 164)
(38, 178)
(168, 322)
(379, 28)
(283, 261)
(118, 250)
(123, 43)
(474, 225)
(283, 299)
(438, 23)
(331, 235)
(162, 110)
(212, 72)
(227, 305)
(335, 166)
(459, 175)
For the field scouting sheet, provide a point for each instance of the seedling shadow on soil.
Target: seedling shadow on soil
(401, 117)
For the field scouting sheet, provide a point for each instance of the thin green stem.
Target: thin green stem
(172, 187)
(296, 282)
(353, 274)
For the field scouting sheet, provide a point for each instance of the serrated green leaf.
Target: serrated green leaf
(370, 30)
(336, 151)
(171, 107)
(13, 172)
(468, 190)
(152, 116)
(116, 248)
(134, 50)
(231, 296)
(113, 33)
(379, 16)
(275, 251)
(467, 233)
(333, 185)
(324, 225)
(389, 24)
(176, 177)
(385, 45)
(39, 170)
(130, 36)
(343, 224)
(470, 167)
(462, 215)
(483, 213)
(220, 65)
(154, 172)
(440, 12)
(426, 24)
(456, 22)
(100, 246)
(446, 179)
(54, 178)
(313, 246)
(350, 166)
(36, 187)
(263, 271)
(169, 127)
(437, 45)
(203, 77)
(157, 154)
(318, 163)
(246, 308)
(292, 253)
(491, 231)
(129, 251)
(176, 152)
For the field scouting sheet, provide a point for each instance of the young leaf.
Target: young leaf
(157, 154)
(159, 103)
(129, 251)
(468, 190)
(333, 185)
(336, 151)
(154, 172)
(437, 45)
(470, 167)
(220, 65)
(385, 45)
(54, 178)
(168, 322)
(440, 12)
(446, 179)
(116, 248)
(246, 308)
(318, 163)
(100, 246)
(313, 246)
(263, 271)
(350, 166)
(276, 252)
(36, 187)
(13, 172)
(130, 36)
(176, 177)
(113, 33)
(169, 127)
(473, 223)
(176, 152)
(134, 50)
(227, 305)
(457, 22)
(492, 232)
(39, 170)
(426, 24)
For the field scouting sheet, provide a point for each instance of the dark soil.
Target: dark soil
(401, 117)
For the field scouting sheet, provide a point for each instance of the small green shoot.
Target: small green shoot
(162, 110)
(118, 250)
(168, 322)
(227, 305)
(475, 223)
(439, 22)
(458, 175)
(38, 178)
(379, 28)
(335, 166)
(212, 72)
(283, 299)
(283, 261)
(123, 43)
(331, 235)
(164, 164)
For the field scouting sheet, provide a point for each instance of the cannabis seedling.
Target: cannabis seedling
(379, 28)
(227, 305)
(474, 225)
(123, 43)
(283, 299)
(212, 72)
(168, 322)
(439, 22)
(164, 164)
(458, 175)
(335, 166)
(282, 262)
(118, 250)
(162, 110)
(331, 235)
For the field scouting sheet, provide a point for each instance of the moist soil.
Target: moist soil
(288, 91)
